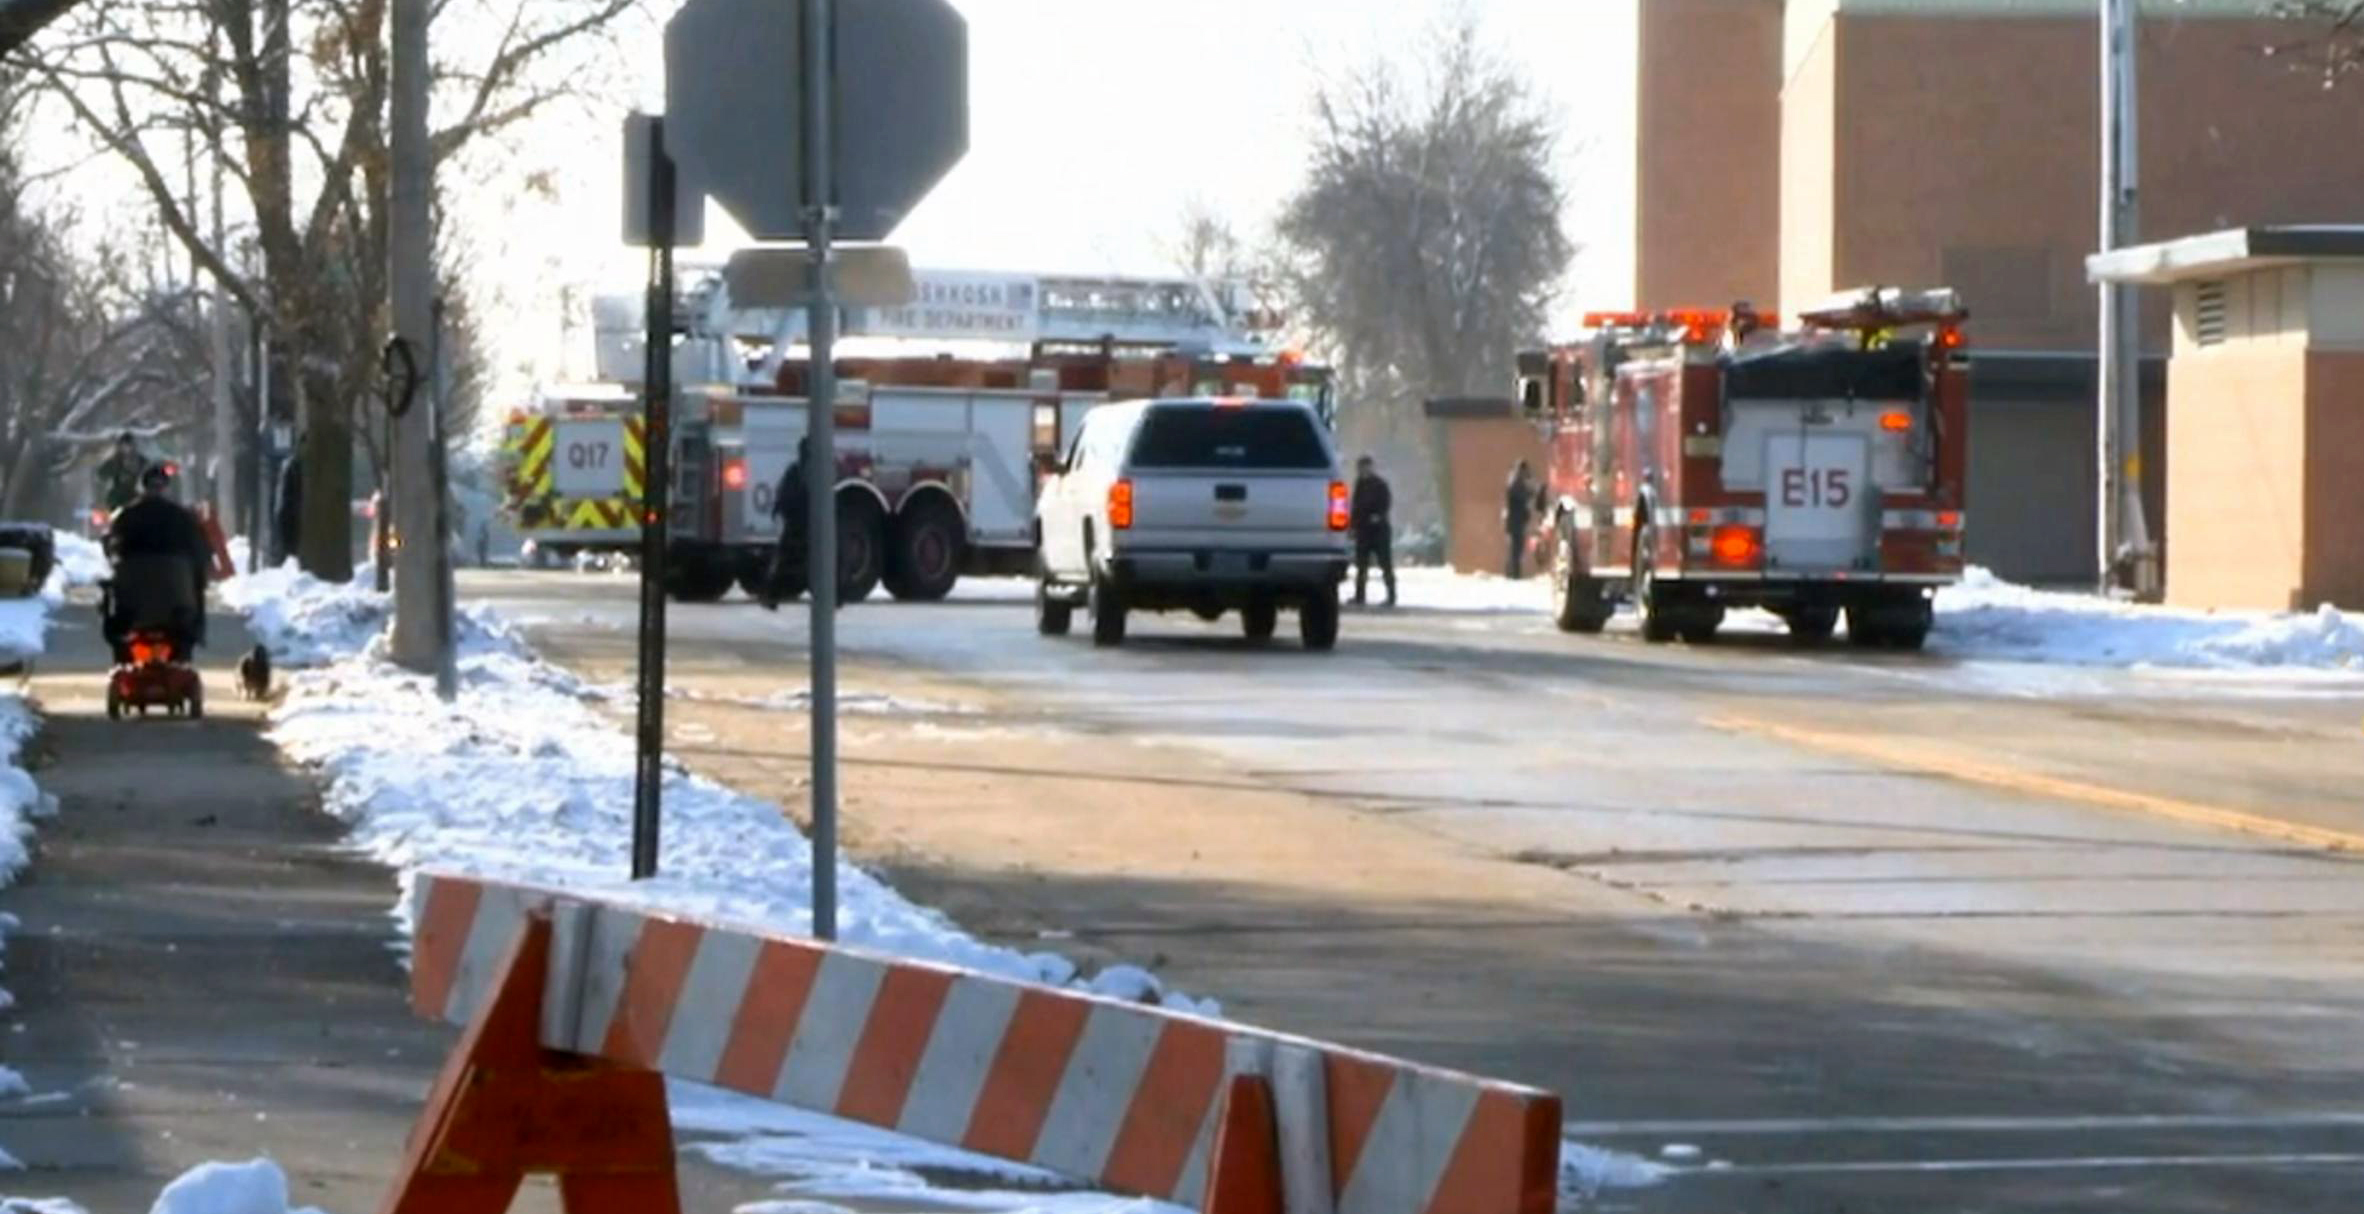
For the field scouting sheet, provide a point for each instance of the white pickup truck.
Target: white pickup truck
(1206, 506)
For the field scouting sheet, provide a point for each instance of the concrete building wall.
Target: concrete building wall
(1707, 211)
(2237, 506)
(1479, 453)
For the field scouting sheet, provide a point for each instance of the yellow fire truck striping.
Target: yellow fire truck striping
(2035, 784)
(540, 442)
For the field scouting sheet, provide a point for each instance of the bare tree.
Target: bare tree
(86, 351)
(289, 93)
(2327, 36)
(1208, 248)
(1426, 244)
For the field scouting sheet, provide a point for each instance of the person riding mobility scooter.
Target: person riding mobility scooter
(152, 609)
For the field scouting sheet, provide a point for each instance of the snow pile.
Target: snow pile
(303, 620)
(1987, 617)
(1431, 588)
(21, 804)
(80, 560)
(257, 1186)
(521, 778)
(254, 1187)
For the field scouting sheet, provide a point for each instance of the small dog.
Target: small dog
(254, 673)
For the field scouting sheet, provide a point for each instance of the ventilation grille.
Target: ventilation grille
(2208, 314)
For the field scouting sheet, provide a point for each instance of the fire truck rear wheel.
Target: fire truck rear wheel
(861, 546)
(698, 577)
(925, 560)
(1698, 624)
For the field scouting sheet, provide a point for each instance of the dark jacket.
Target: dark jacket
(119, 479)
(1518, 504)
(1372, 502)
(157, 526)
(788, 500)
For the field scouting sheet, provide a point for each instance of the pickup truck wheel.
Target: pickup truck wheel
(1577, 604)
(1659, 623)
(1317, 620)
(925, 560)
(1259, 620)
(1108, 615)
(1699, 625)
(1052, 616)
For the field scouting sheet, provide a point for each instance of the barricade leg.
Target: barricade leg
(504, 1107)
(1243, 1171)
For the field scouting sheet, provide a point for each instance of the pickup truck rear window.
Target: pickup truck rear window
(1214, 436)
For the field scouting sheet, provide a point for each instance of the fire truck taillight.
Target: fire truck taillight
(1120, 505)
(1896, 421)
(1735, 546)
(1340, 510)
(734, 474)
(1949, 338)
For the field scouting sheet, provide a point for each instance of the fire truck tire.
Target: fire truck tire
(1577, 603)
(1259, 620)
(1317, 620)
(861, 547)
(1699, 624)
(924, 561)
(1811, 625)
(1660, 622)
(1108, 615)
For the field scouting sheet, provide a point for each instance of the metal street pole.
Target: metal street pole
(648, 782)
(225, 417)
(820, 473)
(416, 514)
(2122, 534)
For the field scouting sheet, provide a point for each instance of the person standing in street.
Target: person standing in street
(1518, 502)
(1374, 531)
(789, 508)
(119, 475)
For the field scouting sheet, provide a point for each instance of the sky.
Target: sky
(1096, 124)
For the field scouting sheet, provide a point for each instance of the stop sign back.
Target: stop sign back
(734, 105)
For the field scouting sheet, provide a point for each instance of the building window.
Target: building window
(2208, 312)
(2002, 282)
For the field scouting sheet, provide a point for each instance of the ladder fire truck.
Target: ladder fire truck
(574, 469)
(939, 456)
(1703, 460)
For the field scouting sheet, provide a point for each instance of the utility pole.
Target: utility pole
(225, 413)
(820, 470)
(421, 558)
(2123, 540)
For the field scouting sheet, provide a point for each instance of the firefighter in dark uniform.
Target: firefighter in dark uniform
(789, 507)
(1518, 504)
(1374, 531)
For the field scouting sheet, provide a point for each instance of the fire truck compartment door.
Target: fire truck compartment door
(1819, 506)
(588, 458)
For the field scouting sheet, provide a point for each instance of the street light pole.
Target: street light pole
(421, 629)
(2122, 538)
(820, 470)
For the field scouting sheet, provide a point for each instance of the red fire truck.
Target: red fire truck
(1704, 460)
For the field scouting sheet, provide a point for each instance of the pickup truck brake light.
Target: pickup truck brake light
(1120, 505)
(1339, 510)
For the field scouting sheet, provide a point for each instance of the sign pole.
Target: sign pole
(820, 473)
(648, 784)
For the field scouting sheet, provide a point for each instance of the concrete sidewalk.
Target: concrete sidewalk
(201, 971)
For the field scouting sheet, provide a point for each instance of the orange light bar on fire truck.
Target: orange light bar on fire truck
(1698, 324)
(1616, 320)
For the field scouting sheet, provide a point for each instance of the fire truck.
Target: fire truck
(1705, 460)
(938, 457)
(573, 470)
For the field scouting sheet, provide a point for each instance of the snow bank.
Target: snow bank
(303, 620)
(1987, 617)
(254, 1187)
(1433, 588)
(80, 560)
(257, 1186)
(521, 778)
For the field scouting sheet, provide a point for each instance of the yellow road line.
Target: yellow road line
(1895, 754)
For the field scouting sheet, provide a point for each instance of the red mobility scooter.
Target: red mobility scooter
(151, 613)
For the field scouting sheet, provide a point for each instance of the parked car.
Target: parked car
(1199, 505)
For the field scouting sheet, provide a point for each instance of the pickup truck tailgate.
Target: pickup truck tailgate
(1231, 509)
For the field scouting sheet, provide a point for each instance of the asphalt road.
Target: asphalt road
(1846, 932)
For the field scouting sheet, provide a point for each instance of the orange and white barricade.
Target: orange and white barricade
(1205, 1113)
